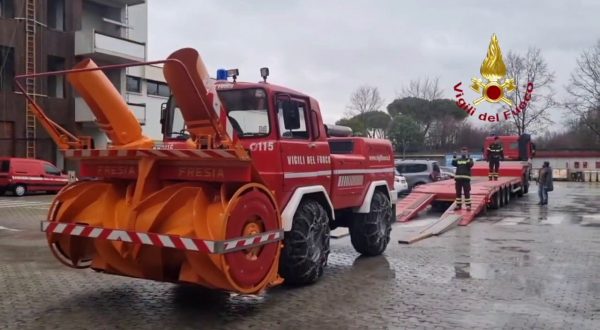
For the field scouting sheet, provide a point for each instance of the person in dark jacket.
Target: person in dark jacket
(544, 182)
(462, 178)
(495, 154)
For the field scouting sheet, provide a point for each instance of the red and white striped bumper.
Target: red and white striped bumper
(158, 153)
(161, 240)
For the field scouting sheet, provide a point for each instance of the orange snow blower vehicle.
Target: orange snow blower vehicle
(240, 195)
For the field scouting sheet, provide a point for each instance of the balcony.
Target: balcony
(83, 113)
(107, 48)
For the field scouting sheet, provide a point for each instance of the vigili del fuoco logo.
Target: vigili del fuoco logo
(493, 88)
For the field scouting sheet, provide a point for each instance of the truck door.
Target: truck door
(305, 155)
(53, 178)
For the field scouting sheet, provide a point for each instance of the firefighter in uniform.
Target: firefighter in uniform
(495, 154)
(462, 178)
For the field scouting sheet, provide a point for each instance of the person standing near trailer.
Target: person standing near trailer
(545, 183)
(462, 178)
(495, 153)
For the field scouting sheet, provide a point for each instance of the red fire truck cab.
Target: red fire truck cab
(319, 174)
(515, 147)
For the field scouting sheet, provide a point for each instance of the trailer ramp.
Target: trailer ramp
(410, 206)
(445, 223)
(448, 220)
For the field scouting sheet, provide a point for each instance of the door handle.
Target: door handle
(312, 145)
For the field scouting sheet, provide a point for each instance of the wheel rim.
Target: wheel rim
(252, 228)
(20, 190)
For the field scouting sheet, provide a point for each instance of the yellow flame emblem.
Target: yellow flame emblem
(493, 70)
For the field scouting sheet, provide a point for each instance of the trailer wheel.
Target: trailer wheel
(306, 246)
(508, 192)
(370, 233)
(495, 203)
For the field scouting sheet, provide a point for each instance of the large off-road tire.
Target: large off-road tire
(306, 246)
(370, 233)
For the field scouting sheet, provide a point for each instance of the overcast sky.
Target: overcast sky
(328, 48)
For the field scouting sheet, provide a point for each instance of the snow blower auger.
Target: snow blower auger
(196, 212)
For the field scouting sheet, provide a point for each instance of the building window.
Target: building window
(6, 9)
(7, 54)
(576, 165)
(134, 84)
(56, 15)
(584, 164)
(56, 83)
(597, 165)
(157, 88)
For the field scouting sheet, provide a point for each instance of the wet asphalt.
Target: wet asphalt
(523, 266)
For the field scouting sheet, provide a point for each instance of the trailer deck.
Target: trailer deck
(441, 194)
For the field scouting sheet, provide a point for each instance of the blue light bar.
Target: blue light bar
(222, 74)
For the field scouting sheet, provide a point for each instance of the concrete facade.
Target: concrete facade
(67, 31)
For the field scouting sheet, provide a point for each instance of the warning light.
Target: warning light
(222, 74)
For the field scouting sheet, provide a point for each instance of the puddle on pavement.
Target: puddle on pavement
(487, 271)
(560, 219)
(474, 270)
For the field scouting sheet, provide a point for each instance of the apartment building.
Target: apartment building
(49, 35)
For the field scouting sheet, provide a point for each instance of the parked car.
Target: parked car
(400, 184)
(22, 175)
(447, 172)
(418, 172)
(449, 169)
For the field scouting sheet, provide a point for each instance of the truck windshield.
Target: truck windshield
(247, 110)
(175, 127)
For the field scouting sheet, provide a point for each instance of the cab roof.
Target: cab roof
(228, 85)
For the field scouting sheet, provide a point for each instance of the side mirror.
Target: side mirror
(291, 115)
(163, 117)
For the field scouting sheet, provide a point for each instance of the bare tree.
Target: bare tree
(426, 89)
(363, 100)
(531, 68)
(584, 89)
